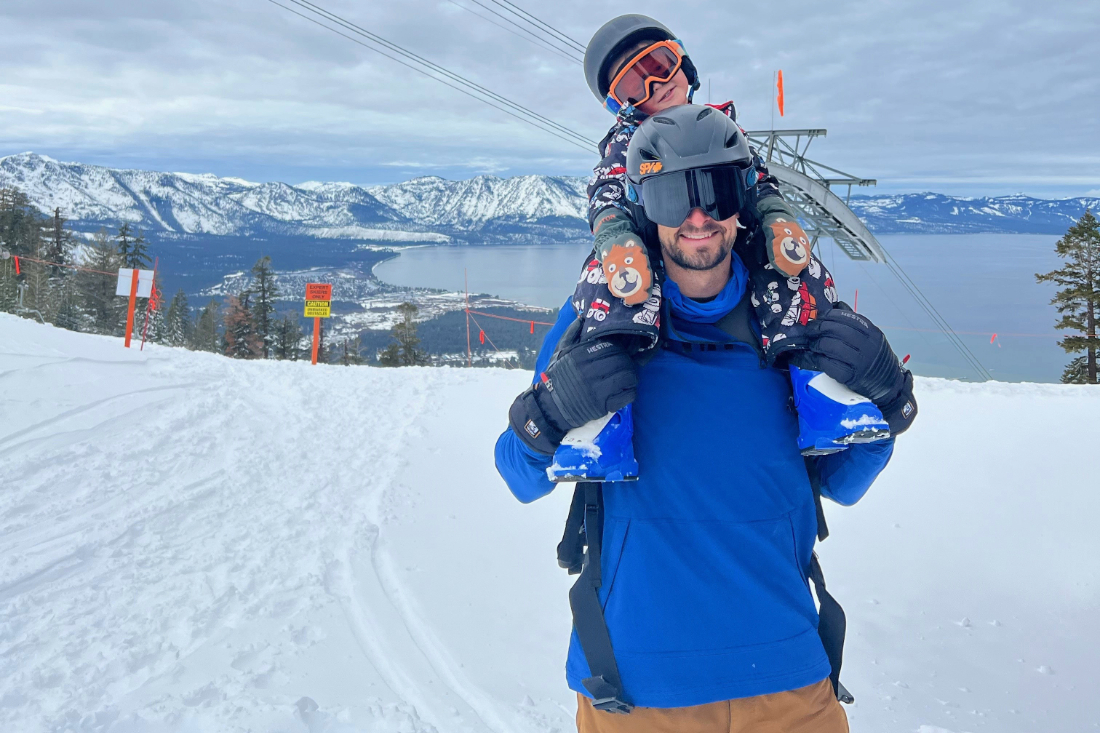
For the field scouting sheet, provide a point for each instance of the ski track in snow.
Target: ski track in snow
(191, 543)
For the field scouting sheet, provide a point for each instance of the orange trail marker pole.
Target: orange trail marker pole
(469, 353)
(316, 338)
(130, 310)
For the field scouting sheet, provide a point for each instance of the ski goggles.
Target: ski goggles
(656, 64)
(720, 191)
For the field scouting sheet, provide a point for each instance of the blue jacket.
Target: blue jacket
(705, 557)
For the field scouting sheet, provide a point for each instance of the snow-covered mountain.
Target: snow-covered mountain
(936, 213)
(485, 209)
(478, 201)
(424, 209)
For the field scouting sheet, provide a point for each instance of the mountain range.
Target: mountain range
(480, 210)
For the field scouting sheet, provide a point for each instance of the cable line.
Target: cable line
(463, 90)
(414, 61)
(328, 15)
(926, 304)
(540, 41)
(520, 12)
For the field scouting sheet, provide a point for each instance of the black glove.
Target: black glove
(853, 351)
(582, 384)
(900, 410)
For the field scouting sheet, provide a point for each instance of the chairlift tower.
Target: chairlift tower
(808, 186)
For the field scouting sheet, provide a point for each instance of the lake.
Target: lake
(980, 283)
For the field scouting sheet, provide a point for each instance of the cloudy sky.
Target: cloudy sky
(962, 96)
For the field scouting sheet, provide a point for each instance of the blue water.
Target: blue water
(980, 283)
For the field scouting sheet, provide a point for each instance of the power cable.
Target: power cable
(926, 304)
(461, 89)
(415, 62)
(520, 12)
(312, 7)
(540, 41)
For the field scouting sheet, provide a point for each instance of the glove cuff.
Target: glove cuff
(528, 420)
(901, 409)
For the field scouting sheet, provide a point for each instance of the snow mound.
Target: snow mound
(191, 543)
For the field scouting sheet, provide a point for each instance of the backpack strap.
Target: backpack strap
(832, 623)
(585, 526)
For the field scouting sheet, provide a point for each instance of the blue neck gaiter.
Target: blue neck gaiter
(711, 311)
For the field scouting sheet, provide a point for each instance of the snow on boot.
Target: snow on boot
(602, 450)
(830, 416)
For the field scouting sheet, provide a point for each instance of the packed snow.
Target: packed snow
(192, 543)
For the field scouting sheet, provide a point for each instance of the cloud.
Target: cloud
(910, 90)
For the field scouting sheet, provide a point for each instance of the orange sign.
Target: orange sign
(318, 291)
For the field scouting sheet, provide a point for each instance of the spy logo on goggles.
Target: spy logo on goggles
(648, 168)
(634, 83)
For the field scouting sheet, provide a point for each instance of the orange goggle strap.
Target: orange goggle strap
(614, 105)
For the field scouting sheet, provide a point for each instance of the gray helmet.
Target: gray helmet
(689, 157)
(613, 38)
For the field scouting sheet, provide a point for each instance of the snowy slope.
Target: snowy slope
(190, 543)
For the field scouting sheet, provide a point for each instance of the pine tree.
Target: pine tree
(21, 234)
(349, 353)
(59, 303)
(288, 338)
(103, 311)
(204, 336)
(59, 245)
(1079, 299)
(133, 249)
(406, 351)
(241, 339)
(266, 292)
(152, 317)
(124, 240)
(177, 321)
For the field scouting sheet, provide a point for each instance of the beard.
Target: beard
(703, 259)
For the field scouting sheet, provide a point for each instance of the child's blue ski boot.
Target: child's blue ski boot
(830, 416)
(602, 450)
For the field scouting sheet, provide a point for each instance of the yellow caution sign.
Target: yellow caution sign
(318, 309)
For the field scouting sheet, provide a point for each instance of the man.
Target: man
(701, 567)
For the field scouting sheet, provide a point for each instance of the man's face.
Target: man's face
(700, 242)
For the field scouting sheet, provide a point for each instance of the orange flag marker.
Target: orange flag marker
(779, 92)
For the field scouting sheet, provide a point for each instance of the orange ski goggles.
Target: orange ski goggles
(656, 64)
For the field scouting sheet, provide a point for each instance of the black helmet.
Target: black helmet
(689, 157)
(615, 37)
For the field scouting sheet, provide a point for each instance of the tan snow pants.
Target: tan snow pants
(812, 709)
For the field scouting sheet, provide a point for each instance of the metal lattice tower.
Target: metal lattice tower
(808, 186)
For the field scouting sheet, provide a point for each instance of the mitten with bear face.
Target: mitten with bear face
(623, 256)
(788, 247)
